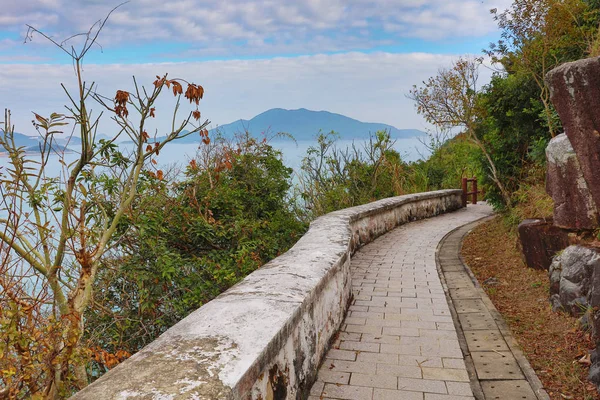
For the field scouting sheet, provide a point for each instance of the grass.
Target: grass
(552, 342)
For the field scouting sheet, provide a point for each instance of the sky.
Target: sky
(354, 57)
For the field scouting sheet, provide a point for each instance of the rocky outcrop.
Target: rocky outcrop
(574, 206)
(594, 373)
(575, 280)
(575, 93)
(540, 241)
(573, 181)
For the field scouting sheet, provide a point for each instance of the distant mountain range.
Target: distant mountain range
(305, 124)
(31, 143)
(302, 124)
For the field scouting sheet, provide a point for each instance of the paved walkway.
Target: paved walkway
(399, 340)
(498, 369)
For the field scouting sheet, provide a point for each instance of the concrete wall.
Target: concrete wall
(265, 337)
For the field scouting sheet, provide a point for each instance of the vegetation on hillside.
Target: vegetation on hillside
(510, 119)
(186, 240)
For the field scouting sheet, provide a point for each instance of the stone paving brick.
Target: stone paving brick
(375, 381)
(420, 361)
(441, 351)
(349, 336)
(317, 388)
(382, 358)
(360, 346)
(437, 319)
(459, 388)
(383, 322)
(422, 385)
(446, 374)
(388, 339)
(403, 371)
(386, 394)
(366, 314)
(401, 317)
(358, 308)
(348, 366)
(442, 334)
(348, 392)
(398, 340)
(401, 349)
(448, 326)
(454, 363)
(433, 396)
(326, 376)
(346, 355)
(362, 329)
(355, 321)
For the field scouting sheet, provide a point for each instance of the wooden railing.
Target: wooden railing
(465, 190)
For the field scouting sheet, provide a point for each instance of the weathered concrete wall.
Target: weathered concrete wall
(265, 337)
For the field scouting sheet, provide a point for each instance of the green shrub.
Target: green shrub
(186, 242)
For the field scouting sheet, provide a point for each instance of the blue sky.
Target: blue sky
(249, 55)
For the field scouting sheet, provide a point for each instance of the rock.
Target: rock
(575, 93)
(584, 321)
(554, 274)
(595, 355)
(574, 207)
(555, 303)
(575, 280)
(593, 299)
(594, 374)
(540, 240)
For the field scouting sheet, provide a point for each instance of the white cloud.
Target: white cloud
(369, 87)
(218, 24)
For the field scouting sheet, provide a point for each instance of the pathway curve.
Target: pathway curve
(398, 340)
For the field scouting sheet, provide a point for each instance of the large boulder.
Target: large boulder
(575, 288)
(575, 280)
(574, 206)
(540, 240)
(575, 93)
(594, 373)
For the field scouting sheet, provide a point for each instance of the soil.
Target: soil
(552, 342)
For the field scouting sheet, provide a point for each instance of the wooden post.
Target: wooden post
(464, 189)
(474, 201)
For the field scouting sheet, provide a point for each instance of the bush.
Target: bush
(188, 241)
(333, 178)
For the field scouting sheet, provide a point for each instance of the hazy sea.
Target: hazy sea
(410, 149)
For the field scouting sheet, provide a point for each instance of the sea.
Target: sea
(176, 155)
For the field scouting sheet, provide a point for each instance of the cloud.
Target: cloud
(266, 26)
(368, 87)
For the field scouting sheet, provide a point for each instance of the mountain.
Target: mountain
(304, 124)
(31, 143)
(24, 140)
